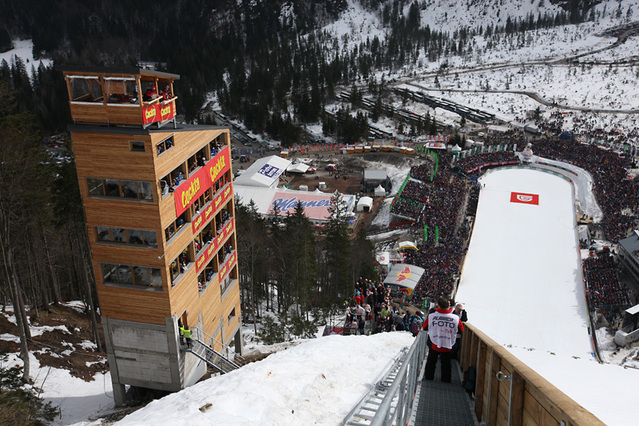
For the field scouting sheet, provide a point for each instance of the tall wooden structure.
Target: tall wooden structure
(159, 208)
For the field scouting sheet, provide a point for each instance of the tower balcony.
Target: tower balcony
(120, 96)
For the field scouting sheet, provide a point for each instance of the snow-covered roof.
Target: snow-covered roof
(375, 174)
(264, 173)
(634, 310)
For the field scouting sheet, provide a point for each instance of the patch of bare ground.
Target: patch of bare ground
(350, 169)
(7, 327)
(69, 347)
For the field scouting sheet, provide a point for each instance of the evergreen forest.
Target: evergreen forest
(271, 67)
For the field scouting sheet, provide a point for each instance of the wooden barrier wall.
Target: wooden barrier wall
(533, 400)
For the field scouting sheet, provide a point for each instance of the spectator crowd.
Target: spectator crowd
(436, 200)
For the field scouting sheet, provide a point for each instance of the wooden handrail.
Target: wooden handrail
(530, 392)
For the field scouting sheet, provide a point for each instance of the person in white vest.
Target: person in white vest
(442, 326)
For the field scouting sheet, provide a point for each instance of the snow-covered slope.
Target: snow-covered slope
(317, 382)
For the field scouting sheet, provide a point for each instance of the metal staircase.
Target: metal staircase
(207, 353)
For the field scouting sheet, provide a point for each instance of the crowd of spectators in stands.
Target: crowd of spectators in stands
(604, 292)
(441, 264)
(474, 162)
(435, 205)
(617, 195)
(438, 202)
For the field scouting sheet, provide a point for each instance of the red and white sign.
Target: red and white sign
(200, 181)
(216, 244)
(158, 112)
(520, 197)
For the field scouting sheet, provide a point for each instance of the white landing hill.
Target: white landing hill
(522, 285)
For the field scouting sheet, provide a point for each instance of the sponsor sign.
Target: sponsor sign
(435, 145)
(315, 205)
(520, 197)
(215, 245)
(202, 180)
(158, 112)
(224, 270)
(270, 171)
(211, 208)
(403, 274)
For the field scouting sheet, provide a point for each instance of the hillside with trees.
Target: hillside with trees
(271, 63)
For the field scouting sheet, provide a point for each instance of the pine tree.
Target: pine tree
(337, 250)
(252, 240)
(20, 404)
(23, 193)
(301, 258)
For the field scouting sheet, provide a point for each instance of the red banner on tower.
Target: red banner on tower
(158, 112)
(200, 181)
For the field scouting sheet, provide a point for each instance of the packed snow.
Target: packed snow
(542, 324)
(317, 382)
(522, 285)
(23, 49)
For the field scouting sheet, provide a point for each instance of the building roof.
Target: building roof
(116, 70)
(631, 245)
(298, 168)
(264, 173)
(133, 130)
(375, 174)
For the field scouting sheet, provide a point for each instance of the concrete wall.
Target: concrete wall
(148, 355)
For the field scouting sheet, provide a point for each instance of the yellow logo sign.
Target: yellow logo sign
(217, 168)
(190, 192)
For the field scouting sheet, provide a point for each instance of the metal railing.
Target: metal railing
(212, 351)
(212, 358)
(391, 400)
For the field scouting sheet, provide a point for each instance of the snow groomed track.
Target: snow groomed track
(522, 280)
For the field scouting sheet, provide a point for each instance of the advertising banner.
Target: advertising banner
(315, 205)
(519, 197)
(211, 209)
(158, 112)
(214, 246)
(189, 191)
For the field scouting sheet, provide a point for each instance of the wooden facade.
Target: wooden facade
(508, 392)
(124, 142)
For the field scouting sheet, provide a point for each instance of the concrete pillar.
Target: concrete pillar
(239, 344)
(119, 394)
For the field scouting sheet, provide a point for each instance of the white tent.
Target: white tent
(403, 277)
(365, 204)
(264, 173)
(298, 168)
(380, 191)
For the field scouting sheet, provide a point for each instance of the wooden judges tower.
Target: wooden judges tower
(159, 207)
